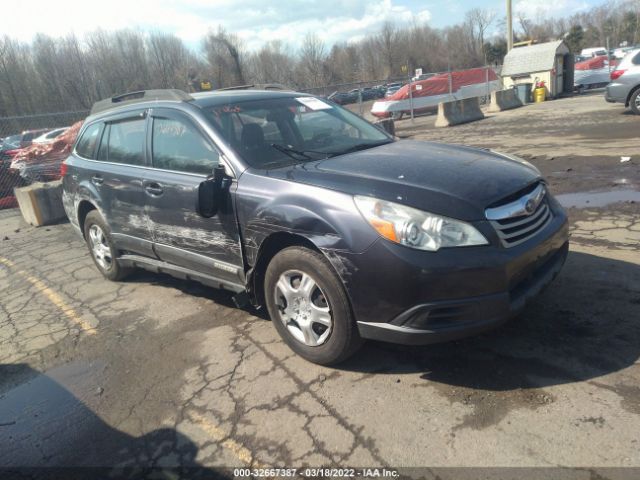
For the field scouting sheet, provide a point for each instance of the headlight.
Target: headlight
(415, 228)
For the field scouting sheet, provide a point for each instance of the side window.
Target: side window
(86, 146)
(178, 145)
(123, 142)
(636, 59)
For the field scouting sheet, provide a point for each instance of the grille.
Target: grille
(519, 220)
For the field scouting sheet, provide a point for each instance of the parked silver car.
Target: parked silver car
(625, 82)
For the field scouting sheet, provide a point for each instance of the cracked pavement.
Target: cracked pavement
(155, 371)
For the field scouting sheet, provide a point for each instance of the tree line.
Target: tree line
(70, 73)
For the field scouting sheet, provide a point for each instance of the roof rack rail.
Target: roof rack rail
(139, 96)
(257, 86)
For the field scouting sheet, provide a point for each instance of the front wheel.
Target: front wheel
(309, 307)
(634, 102)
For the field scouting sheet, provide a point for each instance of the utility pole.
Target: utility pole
(509, 26)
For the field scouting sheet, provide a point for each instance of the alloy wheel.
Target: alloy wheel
(100, 247)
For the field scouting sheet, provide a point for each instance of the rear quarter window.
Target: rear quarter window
(86, 146)
(636, 59)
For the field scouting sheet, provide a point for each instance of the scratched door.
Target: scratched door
(182, 157)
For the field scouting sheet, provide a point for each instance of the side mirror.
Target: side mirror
(211, 192)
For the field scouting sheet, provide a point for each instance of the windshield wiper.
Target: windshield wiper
(301, 153)
(358, 147)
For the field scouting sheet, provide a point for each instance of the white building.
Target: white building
(549, 62)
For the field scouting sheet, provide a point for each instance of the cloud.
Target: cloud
(256, 21)
(535, 9)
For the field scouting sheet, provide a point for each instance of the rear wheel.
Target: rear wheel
(309, 307)
(98, 236)
(634, 102)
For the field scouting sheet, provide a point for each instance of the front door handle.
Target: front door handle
(154, 189)
(97, 180)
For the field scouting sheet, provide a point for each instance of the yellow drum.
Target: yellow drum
(539, 95)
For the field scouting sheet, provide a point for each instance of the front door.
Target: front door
(182, 157)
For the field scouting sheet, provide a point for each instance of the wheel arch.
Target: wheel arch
(84, 207)
(631, 92)
(269, 248)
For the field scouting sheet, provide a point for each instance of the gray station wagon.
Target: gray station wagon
(294, 203)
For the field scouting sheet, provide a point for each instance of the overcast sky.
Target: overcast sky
(256, 21)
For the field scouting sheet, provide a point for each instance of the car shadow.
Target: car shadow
(196, 289)
(47, 431)
(583, 326)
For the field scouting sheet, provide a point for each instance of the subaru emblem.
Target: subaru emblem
(530, 206)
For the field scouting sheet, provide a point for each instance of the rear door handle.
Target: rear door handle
(97, 180)
(154, 189)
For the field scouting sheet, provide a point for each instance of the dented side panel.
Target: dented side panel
(328, 219)
(183, 237)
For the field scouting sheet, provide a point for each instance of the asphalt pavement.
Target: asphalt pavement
(155, 371)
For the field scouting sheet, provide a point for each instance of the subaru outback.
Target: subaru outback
(294, 203)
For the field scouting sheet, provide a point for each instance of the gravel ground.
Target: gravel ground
(156, 371)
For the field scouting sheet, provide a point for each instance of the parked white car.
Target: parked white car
(593, 52)
(50, 136)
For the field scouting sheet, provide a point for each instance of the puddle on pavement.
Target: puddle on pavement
(598, 199)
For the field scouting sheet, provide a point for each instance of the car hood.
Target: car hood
(451, 180)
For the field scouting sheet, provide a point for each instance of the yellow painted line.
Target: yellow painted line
(240, 451)
(53, 297)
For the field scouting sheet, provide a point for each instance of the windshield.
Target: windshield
(280, 131)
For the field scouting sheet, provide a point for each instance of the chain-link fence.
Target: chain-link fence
(32, 148)
(427, 90)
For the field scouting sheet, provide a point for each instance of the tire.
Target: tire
(335, 335)
(397, 115)
(97, 232)
(634, 102)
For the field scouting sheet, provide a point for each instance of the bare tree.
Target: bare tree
(388, 44)
(225, 53)
(479, 21)
(70, 73)
(312, 60)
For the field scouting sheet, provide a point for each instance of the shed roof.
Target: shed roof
(535, 58)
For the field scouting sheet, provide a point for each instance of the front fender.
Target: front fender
(329, 219)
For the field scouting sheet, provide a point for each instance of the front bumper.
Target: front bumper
(445, 321)
(406, 296)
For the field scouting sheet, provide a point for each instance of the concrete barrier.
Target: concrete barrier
(459, 111)
(41, 203)
(388, 125)
(504, 100)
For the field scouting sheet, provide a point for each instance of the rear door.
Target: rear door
(118, 176)
(182, 157)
